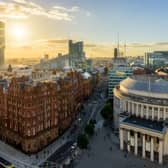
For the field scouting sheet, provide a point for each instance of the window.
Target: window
(28, 132)
(34, 132)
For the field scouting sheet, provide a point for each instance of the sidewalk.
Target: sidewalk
(17, 157)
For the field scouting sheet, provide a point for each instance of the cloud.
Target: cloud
(162, 44)
(60, 8)
(20, 1)
(22, 9)
(91, 45)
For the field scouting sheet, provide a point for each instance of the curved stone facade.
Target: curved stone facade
(141, 115)
(140, 102)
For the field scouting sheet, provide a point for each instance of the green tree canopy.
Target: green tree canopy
(82, 141)
(107, 111)
(89, 129)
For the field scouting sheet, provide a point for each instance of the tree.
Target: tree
(105, 70)
(107, 111)
(82, 141)
(89, 129)
(93, 121)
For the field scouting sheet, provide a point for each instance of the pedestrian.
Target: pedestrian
(111, 148)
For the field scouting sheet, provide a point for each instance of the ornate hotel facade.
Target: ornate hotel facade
(32, 114)
(141, 115)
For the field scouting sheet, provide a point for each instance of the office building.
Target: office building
(156, 59)
(115, 75)
(118, 72)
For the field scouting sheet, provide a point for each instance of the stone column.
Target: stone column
(160, 151)
(128, 107)
(147, 112)
(128, 142)
(133, 109)
(152, 113)
(136, 143)
(121, 139)
(164, 114)
(158, 113)
(144, 147)
(141, 111)
(137, 108)
(125, 107)
(152, 151)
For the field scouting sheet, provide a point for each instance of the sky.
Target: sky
(43, 26)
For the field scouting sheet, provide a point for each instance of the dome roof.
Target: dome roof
(145, 84)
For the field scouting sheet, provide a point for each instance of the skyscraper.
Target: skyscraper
(76, 53)
(2, 43)
(115, 52)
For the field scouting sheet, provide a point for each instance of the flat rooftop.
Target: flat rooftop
(146, 124)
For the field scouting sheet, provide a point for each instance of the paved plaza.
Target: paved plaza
(104, 153)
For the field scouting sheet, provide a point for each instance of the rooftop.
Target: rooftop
(146, 124)
(146, 83)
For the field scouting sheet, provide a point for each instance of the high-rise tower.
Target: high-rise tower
(2, 43)
(115, 53)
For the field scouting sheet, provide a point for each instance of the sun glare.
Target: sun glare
(19, 31)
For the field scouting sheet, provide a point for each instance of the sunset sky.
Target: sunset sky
(36, 27)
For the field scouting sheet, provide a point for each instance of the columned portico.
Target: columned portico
(136, 140)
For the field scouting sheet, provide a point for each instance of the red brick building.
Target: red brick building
(32, 115)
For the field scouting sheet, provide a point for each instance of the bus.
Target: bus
(5, 164)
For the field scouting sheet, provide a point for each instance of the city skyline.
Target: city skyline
(95, 23)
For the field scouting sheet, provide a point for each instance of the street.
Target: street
(92, 107)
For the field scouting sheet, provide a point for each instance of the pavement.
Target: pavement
(104, 152)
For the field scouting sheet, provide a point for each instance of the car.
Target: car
(5, 163)
(74, 145)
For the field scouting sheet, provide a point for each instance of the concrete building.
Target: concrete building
(156, 59)
(116, 53)
(75, 59)
(57, 63)
(141, 115)
(2, 43)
